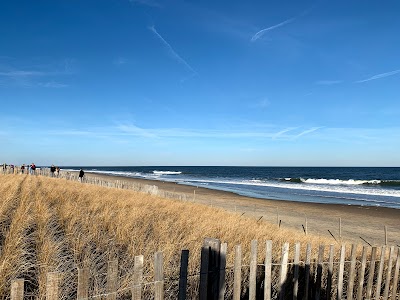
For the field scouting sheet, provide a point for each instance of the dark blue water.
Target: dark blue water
(352, 186)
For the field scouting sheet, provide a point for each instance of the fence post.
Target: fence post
(137, 278)
(283, 271)
(362, 273)
(268, 269)
(159, 276)
(183, 272)
(209, 269)
(380, 273)
(83, 284)
(17, 289)
(330, 272)
(307, 271)
(112, 277)
(237, 277)
(371, 273)
(396, 275)
(296, 270)
(386, 236)
(341, 272)
(352, 272)
(222, 266)
(319, 272)
(389, 272)
(306, 226)
(52, 286)
(253, 270)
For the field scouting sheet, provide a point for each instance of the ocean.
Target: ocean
(366, 186)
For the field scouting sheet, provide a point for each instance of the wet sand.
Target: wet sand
(359, 224)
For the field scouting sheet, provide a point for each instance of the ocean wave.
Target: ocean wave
(354, 189)
(343, 182)
(166, 172)
(117, 173)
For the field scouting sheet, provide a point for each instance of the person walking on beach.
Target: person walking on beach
(81, 174)
(57, 171)
(52, 170)
(33, 168)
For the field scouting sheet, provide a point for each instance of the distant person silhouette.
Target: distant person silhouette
(81, 174)
(52, 170)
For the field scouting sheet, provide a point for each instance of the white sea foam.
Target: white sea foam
(338, 181)
(166, 172)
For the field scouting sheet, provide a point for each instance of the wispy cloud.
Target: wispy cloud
(133, 130)
(278, 134)
(52, 84)
(260, 33)
(120, 61)
(21, 73)
(150, 3)
(379, 76)
(328, 82)
(175, 55)
(307, 131)
(41, 76)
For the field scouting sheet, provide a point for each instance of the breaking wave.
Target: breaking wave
(343, 182)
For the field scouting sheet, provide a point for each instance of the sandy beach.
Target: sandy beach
(359, 224)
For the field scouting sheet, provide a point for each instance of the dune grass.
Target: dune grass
(49, 225)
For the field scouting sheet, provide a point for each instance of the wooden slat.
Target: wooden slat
(380, 273)
(253, 270)
(307, 272)
(83, 284)
(183, 272)
(341, 272)
(371, 273)
(352, 272)
(52, 285)
(283, 271)
(330, 272)
(388, 274)
(396, 276)
(205, 256)
(237, 281)
(137, 278)
(296, 271)
(112, 280)
(319, 272)
(159, 276)
(268, 270)
(17, 289)
(222, 266)
(362, 273)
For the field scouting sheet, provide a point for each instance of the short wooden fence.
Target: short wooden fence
(372, 273)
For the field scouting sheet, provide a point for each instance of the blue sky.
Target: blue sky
(150, 82)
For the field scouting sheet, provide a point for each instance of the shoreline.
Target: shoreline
(359, 224)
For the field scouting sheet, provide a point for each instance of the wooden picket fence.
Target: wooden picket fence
(372, 275)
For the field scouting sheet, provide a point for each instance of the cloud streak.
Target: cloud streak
(278, 134)
(307, 132)
(175, 55)
(379, 76)
(22, 73)
(260, 33)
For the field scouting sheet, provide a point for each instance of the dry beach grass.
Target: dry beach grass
(49, 225)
